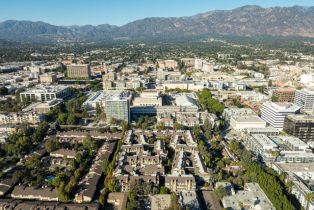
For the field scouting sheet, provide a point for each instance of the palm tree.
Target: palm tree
(308, 197)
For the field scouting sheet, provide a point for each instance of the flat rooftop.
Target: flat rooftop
(301, 117)
(282, 106)
(251, 118)
(264, 140)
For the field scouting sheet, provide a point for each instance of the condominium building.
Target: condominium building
(45, 93)
(284, 149)
(261, 145)
(301, 126)
(229, 112)
(304, 99)
(79, 71)
(274, 113)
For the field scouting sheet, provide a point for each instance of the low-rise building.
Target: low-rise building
(45, 93)
(48, 78)
(246, 122)
(32, 193)
(118, 200)
(20, 118)
(160, 202)
(252, 197)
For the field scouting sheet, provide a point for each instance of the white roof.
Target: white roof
(185, 100)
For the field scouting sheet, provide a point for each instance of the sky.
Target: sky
(120, 12)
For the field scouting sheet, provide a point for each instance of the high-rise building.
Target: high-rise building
(79, 71)
(304, 99)
(301, 126)
(274, 113)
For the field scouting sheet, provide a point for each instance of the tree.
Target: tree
(99, 109)
(210, 103)
(164, 190)
(174, 205)
(161, 126)
(274, 98)
(177, 126)
(220, 192)
(72, 119)
(62, 118)
(124, 125)
(4, 91)
(51, 145)
(113, 121)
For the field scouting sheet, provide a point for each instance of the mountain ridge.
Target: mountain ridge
(249, 20)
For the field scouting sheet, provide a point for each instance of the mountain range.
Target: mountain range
(244, 21)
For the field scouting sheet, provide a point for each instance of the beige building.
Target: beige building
(148, 98)
(19, 118)
(79, 71)
(48, 78)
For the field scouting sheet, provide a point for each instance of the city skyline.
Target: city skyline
(119, 12)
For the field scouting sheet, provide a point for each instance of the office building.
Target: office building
(48, 78)
(301, 126)
(45, 93)
(304, 99)
(284, 94)
(274, 113)
(117, 107)
(79, 71)
(115, 104)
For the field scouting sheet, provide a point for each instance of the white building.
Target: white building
(45, 93)
(304, 99)
(275, 113)
(116, 104)
(148, 98)
(229, 112)
(245, 122)
(252, 197)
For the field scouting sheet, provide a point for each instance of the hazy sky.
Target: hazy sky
(119, 12)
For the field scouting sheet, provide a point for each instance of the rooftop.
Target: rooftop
(251, 119)
(46, 89)
(282, 106)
